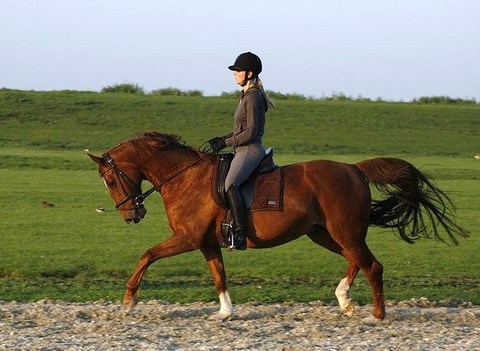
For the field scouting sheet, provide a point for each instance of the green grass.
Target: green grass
(73, 253)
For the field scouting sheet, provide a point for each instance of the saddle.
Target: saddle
(262, 191)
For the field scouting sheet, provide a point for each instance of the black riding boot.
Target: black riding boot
(239, 212)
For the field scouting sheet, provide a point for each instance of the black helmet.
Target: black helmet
(247, 62)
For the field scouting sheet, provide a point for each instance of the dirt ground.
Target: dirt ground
(155, 325)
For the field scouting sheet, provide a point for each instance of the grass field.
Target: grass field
(73, 253)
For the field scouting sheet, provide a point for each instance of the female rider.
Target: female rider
(246, 138)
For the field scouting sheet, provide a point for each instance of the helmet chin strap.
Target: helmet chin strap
(245, 81)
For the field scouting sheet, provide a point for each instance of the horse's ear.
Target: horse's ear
(98, 160)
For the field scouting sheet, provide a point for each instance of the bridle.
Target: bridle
(139, 199)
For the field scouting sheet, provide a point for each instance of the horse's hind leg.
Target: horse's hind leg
(358, 256)
(324, 239)
(341, 292)
(373, 270)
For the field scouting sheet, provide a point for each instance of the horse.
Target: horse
(328, 201)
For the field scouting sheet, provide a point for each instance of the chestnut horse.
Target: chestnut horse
(330, 202)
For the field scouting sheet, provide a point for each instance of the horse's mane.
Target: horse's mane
(153, 141)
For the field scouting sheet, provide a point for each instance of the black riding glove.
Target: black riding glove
(217, 144)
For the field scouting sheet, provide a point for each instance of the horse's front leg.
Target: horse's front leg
(213, 255)
(173, 246)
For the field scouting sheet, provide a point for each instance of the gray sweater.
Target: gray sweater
(249, 119)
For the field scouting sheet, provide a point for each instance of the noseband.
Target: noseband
(138, 199)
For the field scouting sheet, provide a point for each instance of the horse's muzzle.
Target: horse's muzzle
(138, 215)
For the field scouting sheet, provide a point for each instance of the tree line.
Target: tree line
(132, 88)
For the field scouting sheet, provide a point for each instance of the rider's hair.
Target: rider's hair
(257, 82)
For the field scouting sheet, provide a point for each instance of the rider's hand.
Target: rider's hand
(217, 144)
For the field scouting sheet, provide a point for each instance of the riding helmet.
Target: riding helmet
(247, 62)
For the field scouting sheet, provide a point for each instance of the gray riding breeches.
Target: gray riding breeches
(246, 159)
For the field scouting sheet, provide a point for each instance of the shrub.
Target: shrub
(289, 96)
(230, 94)
(128, 88)
(271, 94)
(443, 100)
(176, 92)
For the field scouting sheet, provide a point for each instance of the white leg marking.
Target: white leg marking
(343, 298)
(226, 307)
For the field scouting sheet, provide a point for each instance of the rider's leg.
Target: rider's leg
(243, 164)
(239, 212)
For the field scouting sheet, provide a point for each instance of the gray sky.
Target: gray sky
(394, 49)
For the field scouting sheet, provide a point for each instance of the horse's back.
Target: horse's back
(314, 185)
(325, 173)
(333, 185)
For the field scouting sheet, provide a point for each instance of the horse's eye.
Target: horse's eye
(112, 184)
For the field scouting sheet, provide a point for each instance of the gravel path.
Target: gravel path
(155, 325)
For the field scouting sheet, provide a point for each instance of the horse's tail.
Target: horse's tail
(412, 202)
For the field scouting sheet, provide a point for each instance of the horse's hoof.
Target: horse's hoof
(371, 320)
(379, 314)
(128, 306)
(221, 316)
(349, 310)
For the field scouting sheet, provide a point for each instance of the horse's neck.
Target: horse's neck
(164, 166)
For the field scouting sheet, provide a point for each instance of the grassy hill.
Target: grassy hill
(75, 120)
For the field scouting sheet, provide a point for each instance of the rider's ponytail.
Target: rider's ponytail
(259, 85)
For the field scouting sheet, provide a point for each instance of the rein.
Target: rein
(139, 199)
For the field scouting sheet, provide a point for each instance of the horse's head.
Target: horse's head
(124, 166)
(123, 180)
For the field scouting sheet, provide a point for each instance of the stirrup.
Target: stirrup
(232, 245)
(230, 242)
